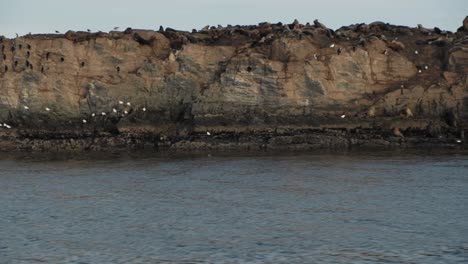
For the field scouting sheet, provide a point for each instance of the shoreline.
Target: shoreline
(270, 140)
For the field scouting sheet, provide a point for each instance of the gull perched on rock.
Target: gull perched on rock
(26, 107)
(343, 116)
(7, 126)
(208, 133)
(144, 109)
(416, 52)
(129, 104)
(47, 109)
(103, 113)
(332, 45)
(93, 114)
(458, 141)
(121, 102)
(84, 121)
(125, 112)
(114, 110)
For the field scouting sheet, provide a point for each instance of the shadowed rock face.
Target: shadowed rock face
(263, 86)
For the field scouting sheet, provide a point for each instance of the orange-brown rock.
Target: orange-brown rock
(237, 79)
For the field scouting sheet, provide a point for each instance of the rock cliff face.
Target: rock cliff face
(265, 86)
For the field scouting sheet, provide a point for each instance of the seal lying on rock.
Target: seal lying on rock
(396, 45)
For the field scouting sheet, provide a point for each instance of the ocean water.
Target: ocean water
(354, 207)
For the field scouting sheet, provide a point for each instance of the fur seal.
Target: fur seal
(371, 111)
(317, 24)
(396, 45)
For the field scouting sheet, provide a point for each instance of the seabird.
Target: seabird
(315, 56)
(116, 28)
(93, 114)
(129, 104)
(125, 112)
(84, 121)
(416, 52)
(7, 126)
(144, 109)
(89, 30)
(426, 67)
(459, 141)
(47, 109)
(17, 35)
(385, 52)
(26, 107)
(56, 31)
(332, 45)
(408, 112)
(419, 71)
(120, 102)
(343, 116)
(103, 113)
(208, 133)
(114, 110)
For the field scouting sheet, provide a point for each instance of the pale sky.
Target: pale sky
(46, 16)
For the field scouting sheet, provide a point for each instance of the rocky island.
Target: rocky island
(265, 86)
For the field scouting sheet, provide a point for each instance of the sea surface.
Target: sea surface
(321, 207)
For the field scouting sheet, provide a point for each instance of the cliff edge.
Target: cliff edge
(244, 87)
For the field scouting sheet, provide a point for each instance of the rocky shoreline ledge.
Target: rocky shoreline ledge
(268, 86)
